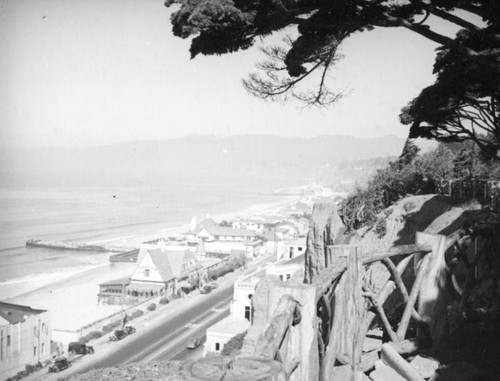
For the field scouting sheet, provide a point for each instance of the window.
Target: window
(291, 252)
(300, 248)
(43, 348)
(8, 340)
(281, 278)
(146, 272)
(288, 276)
(34, 351)
(34, 331)
(217, 347)
(247, 312)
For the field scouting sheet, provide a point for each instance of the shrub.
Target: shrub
(164, 300)
(107, 328)
(137, 313)
(116, 323)
(381, 228)
(234, 345)
(152, 307)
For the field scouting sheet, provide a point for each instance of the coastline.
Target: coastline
(71, 295)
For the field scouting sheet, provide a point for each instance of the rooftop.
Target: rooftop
(227, 231)
(230, 326)
(15, 313)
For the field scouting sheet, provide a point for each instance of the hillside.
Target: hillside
(196, 158)
(466, 317)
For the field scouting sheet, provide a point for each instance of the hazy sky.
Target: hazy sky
(89, 72)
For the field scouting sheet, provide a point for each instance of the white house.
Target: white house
(256, 225)
(288, 271)
(25, 336)
(159, 269)
(293, 248)
(223, 233)
(239, 319)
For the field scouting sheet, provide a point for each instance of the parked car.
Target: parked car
(129, 329)
(208, 288)
(194, 343)
(118, 335)
(59, 364)
(80, 349)
(212, 285)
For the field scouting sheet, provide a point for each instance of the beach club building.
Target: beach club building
(239, 319)
(159, 270)
(24, 338)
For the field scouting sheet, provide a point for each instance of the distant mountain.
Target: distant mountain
(197, 158)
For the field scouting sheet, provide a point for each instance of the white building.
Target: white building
(293, 248)
(239, 319)
(25, 336)
(159, 269)
(288, 271)
(223, 233)
(256, 225)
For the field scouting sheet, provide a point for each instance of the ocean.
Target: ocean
(97, 215)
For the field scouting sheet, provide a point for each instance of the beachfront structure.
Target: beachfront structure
(24, 338)
(293, 248)
(158, 270)
(255, 225)
(113, 292)
(272, 244)
(239, 319)
(288, 271)
(223, 233)
(285, 230)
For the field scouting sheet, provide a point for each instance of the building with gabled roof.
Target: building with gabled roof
(25, 336)
(223, 233)
(159, 269)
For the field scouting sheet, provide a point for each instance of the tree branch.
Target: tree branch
(427, 33)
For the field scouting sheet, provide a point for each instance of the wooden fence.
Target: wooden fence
(485, 191)
(317, 331)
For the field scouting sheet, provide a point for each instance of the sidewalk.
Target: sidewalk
(151, 319)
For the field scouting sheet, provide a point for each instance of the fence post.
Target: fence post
(354, 284)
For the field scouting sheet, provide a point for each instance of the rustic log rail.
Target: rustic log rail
(345, 309)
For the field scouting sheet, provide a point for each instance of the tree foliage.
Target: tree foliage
(414, 174)
(224, 26)
(464, 102)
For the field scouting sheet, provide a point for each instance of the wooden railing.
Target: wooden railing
(319, 328)
(487, 192)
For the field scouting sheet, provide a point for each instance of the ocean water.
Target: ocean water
(94, 215)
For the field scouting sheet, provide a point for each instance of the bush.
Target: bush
(107, 328)
(234, 345)
(137, 313)
(116, 323)
(92, 335)
(152, 307)
(164, 300)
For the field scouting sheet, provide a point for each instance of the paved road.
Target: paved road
(168, 341)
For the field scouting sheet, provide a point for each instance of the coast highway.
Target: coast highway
(168, 340)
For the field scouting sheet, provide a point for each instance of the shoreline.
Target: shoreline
(75, 289)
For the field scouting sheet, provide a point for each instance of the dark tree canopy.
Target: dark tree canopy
(467, 65)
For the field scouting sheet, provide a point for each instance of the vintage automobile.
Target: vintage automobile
(129, 329)
(194, 342)
(118, 335)
(80, 349)
(59, 364)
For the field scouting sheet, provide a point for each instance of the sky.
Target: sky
(85, 73)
